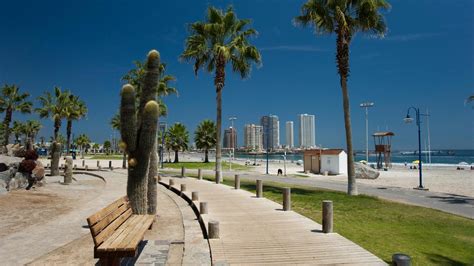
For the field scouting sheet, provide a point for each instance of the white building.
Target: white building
(307, 133)
(332, 161)
(253, 137)
(289, 134)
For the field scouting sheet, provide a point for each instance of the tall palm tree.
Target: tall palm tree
(178, 139)
(220, 40)
(344, 18)
(54, 106)
(205, 137)
(82, 141)
(18, 130)
(115, 124)
(12, 100)
(75, 110)
(30, 129)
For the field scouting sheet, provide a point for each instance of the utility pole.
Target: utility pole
(367, 105)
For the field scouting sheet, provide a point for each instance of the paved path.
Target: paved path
(256, 231)
(450, 203)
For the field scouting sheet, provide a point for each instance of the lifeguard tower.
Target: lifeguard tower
(383, 148)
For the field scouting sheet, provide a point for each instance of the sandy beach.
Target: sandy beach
(436, 178)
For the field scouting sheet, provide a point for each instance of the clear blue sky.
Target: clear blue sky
(425, 60)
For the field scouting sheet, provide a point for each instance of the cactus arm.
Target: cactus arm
(150, 80)
(128, 118)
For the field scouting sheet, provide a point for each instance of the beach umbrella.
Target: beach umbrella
(363, 161)
(463, 163)
(416, 162)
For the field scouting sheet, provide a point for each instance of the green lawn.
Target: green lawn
(107, 157)
(383, 227)
(204, 166)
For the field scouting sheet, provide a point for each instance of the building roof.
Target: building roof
(324, 151)
(382, 134)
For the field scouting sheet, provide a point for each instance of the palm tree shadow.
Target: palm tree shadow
(443, 260)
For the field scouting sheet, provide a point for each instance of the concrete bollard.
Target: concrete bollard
(237, 182)
(327, 216)
(75, 167)
(195, 196)
(183, 171)
(68, 171)
(400, 259)
(171, 183)
(87, 168)
(203, 207)
(110, 165)
(83, 163)
(100, 168)
(259, 188)
(183, 189)
(98, 164)
(47, 166)
(287, 199)
(213, 228)
(158, 178)
(199, 174)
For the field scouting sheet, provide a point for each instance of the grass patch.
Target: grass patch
(106, 157)
(383, 227)
(204, 166)
(300, 175)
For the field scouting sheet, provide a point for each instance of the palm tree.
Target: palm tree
(30, 129)
(205, 137)
(12, 100)
(178, 139)
(115, 123)
(220, 40)
(82, 141)
(96, 147)
(75, 110)
(18, 130)
(107, 146)
(54, 107)
(344, 18)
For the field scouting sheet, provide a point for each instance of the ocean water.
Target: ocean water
(397, 157)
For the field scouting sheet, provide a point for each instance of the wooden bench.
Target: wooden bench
(117, 232)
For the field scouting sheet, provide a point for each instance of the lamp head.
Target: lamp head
(408, 119)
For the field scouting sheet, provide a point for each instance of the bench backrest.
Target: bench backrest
(104, 222)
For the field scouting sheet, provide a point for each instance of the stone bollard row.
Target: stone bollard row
(327, 216)
(110, 165)
(213, 229)
(183, 172)
(203, 207)
(83, 163)
(183, 189)
(98, 164)
(237, 182)
(199, 174)
(68, 171)
(171, 183)
(287, 199)
(259, 188)
(195, 196)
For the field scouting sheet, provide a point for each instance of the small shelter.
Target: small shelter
(332, 161)
(383, 148)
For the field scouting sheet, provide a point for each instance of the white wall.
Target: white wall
(334, 164)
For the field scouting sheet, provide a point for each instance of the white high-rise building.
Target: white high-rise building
(289, 134)
(253, 137)
(271, 131)
(307, 132)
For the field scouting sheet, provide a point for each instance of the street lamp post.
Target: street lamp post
(408, 120)
(367, 105)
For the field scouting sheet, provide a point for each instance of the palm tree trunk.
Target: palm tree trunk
(56, 149)
(176, 158)
(343, 41)
(206, 156)
(68, 133)
(6, 122)
(219, 82)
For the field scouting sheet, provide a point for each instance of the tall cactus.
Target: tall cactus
(138, 130)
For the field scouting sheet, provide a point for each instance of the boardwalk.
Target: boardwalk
(256, 231)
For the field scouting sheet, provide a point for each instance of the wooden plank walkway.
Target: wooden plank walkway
(257, 231)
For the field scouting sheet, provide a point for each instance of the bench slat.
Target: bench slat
(96, 217)
(102, 224)
(118, 235)
(138, 235)
(110, 229)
